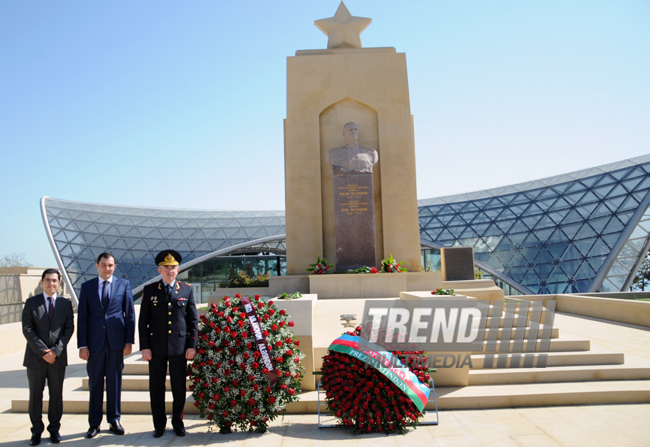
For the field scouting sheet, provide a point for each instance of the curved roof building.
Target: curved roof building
(585, 231)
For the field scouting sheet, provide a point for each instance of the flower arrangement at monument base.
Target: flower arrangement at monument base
(371, 390)
(247, 366)
(443, 292)
(390, 265)
(321, 267)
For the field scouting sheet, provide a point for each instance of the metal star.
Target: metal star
(344, 29)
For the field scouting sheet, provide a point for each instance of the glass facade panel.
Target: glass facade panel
(556, 237)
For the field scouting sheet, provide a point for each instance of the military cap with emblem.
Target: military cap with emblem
(168, 257)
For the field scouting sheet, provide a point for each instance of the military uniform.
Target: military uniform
(168, 327)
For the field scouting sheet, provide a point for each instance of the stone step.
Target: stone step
(133, 383)
(555, 359)
(449, 398)
(555, 345)
(555, 374)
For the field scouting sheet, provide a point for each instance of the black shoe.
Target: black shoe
(158, 433)
(116, 428)
(179, 431)
(92, 432)
(36, 439)
(55, 438)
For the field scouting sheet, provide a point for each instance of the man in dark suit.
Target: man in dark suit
(168, 328)
(105, 335)
(48, 324)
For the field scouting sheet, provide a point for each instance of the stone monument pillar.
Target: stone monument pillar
(325, 90)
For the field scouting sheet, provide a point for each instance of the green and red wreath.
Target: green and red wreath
(372, 390)
(247, 366)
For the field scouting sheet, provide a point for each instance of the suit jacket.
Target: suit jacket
(168, 327)
(117, 324)
(42, 335)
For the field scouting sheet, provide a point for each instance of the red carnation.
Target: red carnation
(291, 391)
(233, 403)
(291, 324)
(274, 327)
(271, 399)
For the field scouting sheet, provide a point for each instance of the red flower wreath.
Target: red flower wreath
(231, 383)
(366, 400)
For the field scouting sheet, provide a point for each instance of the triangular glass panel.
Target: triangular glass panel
(610, 239)
(556, 250)
(445, 218)
(530, 253)
(445, 236)
(585, 272)
(572, 217)
(546, 204)
(531, 221)
(615, 202)
(605, 180)
(558, 276)
(504, 256)
(561, 187)
(620, 173)
(505, 244)
(492, 241)
(432, 234)
(518, 259)
(599, 224)
(530, 241)
(614, 226)
(469, 232)
(560, 204)
(589, 197)
(492, 230)
(457, 221)
(532, 210)
(518, 209)
(585, 232)
(534, 193)
(571, 267)
(548, 193)
(555, 288)
(575, 197)
(558, 216)
(545, 222)
(586, 210)
(631, 184)
(571, 254)
(505, 225)
(629, 204)
(530, 278)
(544, 257)
(478, 218)
(599, 249)
(506, 214)
(469, 207)
(518, 227)
(516, 273)
(617, 191)
(602, 191)
(584, 245)
(493, 213)
(635, 173)
(457, 206)
(456, 231)
(575, 187)
(494, 262)
(544, 234)
(637, 243)
(517, 238)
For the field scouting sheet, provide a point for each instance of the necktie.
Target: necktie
(105, 295)
(169, 291)
(50, 311)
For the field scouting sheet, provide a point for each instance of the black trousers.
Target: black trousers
(157, 379)
(37, 378)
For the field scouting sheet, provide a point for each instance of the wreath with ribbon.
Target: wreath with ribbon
(373, 390)
(247, 366)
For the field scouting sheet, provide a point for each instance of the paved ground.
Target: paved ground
(590, 425)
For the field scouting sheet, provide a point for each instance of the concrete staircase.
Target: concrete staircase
(575, 374)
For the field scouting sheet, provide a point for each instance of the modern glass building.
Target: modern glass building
(585, 231)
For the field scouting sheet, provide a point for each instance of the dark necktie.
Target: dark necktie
(105, 295)
(169, 292)
(50, 311)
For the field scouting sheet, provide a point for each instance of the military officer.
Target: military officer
(168, 327)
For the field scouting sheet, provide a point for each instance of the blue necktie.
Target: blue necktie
(169, 292)
(105, 295)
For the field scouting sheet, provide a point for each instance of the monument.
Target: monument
(326, 89)
(354, 208)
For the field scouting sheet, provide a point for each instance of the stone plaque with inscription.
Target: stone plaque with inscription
(457, 263)
(354, 221)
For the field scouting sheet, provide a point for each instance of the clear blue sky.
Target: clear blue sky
(180, 104)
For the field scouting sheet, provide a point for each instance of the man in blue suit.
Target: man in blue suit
(105, 335)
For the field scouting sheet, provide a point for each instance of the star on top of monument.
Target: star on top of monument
(344, 29)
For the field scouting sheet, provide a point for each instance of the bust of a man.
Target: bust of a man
(352, 158)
